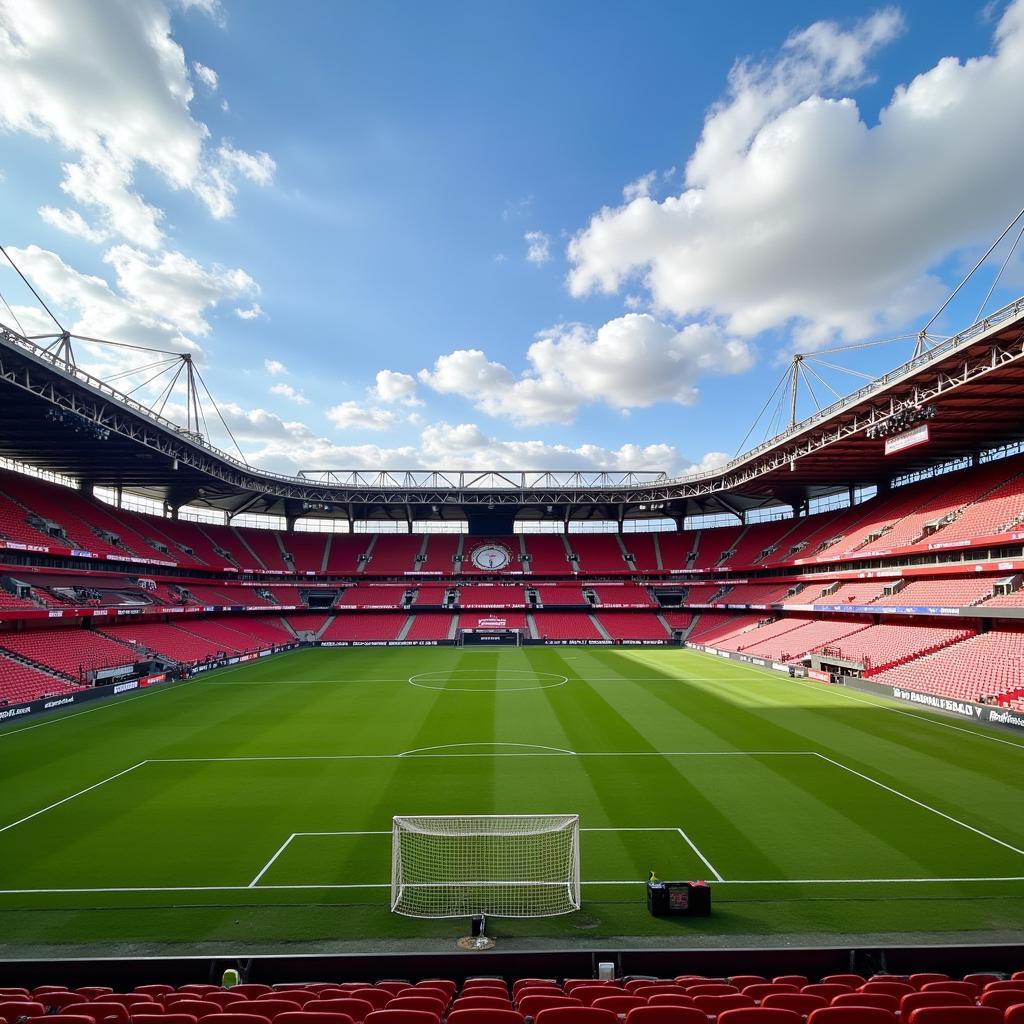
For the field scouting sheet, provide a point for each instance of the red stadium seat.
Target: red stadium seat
(670, 999)
(853, 980)
(94, 991)
(791, 979)
(224, 999)
(378, 998)
(798, 1002)
(475, 1002)
(196, 988)
(587, 994)
(252, 990)
(576, 1015)
(394, 987)
(995, 986)
(758, 991)
(741, 981)
(59, 1000)
(1001, 999)
(889, 988)
(153, 990)
(102, 1011)
(879, 1000)
(571, 984)
(759, 1015)
(309, 1017)
(714, 1005)
(620, 1004)
(354, 1006)
(963, 987)
(658, 989)
(237, 1017)
(486, 1016)
(11, 1010)
(915, 1000)
(852, 1015)
(1014, 1014)
(424, 1003)
(475, 985)
(957, 1015)
(198, 1008)
(531, 1004)
(920, 980)
(60, 1018)
(981, 980)
(165, 1018)
(269, 1005)
(401, 1017)
(827, 991)
(706, 988)
(666, 1015)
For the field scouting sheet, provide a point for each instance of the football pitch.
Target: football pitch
(250, 810)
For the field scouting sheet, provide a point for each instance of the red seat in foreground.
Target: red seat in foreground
(852, 1015)
(957, 1015)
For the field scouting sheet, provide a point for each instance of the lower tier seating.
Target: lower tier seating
(72, 652)
(632, 626)
(20, 683)
(565, 626)
(366, 627)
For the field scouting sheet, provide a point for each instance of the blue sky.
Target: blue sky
(506, 234)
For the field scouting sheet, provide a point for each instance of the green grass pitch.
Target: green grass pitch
(251, 809)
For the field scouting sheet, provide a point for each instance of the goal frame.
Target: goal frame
(481, 900)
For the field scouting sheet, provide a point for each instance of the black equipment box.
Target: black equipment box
(670, 899)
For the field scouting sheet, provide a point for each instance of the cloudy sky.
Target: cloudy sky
(505, 234)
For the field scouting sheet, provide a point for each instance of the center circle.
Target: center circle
(474, 680)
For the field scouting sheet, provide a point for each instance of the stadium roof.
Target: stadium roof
(56, 417)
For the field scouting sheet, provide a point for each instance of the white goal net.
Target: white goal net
(505, 865)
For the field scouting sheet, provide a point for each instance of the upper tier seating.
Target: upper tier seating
(642, 547)
(394, 554)
(431, 594)
(997, 512)
(70, 651)
(307, 550)
(345, 551)
(547, 554)
(751, 593)
(852, 592)
(441, 549)
(490, 558)
(373, 626)
(186, 542)
(714, 544)
(264, 544)
(757, 539)
(306, 622)
(15, 527)
(945, 593)
(986, 665)
(632, 626)
(565, 626)
(598, 552)
(227, 538)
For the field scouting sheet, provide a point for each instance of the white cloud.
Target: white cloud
(350, 415)
(292, 394)
(538, 247)
(640, 187)
(206, 75)
(631, 362)
(253, 312)
(285, 446)
(798, 213)
(392, 386)
(73, 223)
(175, 287)
(274, 367)
(106, 81)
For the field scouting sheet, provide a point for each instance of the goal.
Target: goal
(503, 865)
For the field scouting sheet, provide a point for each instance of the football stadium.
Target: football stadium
(509, 745)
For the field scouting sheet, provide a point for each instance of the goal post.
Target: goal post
(501, 865)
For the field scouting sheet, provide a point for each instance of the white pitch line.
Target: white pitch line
(408, 755)
(693, 846)
(487, 743)
(387, 885)
(920, 803)
(267, 866)
(81, 792)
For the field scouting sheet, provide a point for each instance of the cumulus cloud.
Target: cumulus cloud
(275, 367)
(206, 75)
(631, 362)
(640, 187)
(72, 222)
(394, 387)
(355, 415)
(796, 213)
(538, 247)
(106, 81)
(253, 312)
(289, 392)
(286, 446)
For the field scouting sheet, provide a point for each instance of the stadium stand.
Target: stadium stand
(565, 626)
(599, 552)
(949, 593)
(344, 554)
(394, 555)
(886, 645)
(716, 546)
(20, 683)
(500, 620)
(632, 626)
(70, 652)
(626, 595)
(644, 550)
(751, 547)
(430, 626)
(440, 553)
(554, 594)
(491, 596)
(372, 596)
(371, 626)
(307, 550)
(548, 554)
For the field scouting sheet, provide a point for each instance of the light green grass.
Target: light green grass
(827, 814)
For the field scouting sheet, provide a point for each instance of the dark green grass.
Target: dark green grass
(816, 806)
